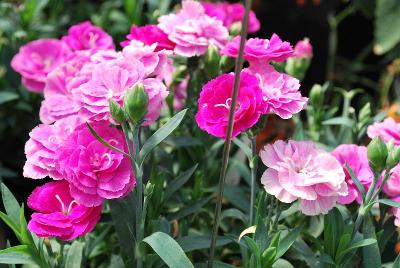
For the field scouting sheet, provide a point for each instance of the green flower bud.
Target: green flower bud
(226, 63)
(235, 28)
(393, 158)
(211, 61)
(135, 103)
(316, 96)
(116, 111)
(377, 154)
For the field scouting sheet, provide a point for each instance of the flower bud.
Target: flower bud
(211, 61)
(235, 28)
(316, 95)
(377, 154)
(226, 63)
(135, 103)
(116, 111)
(393, 158)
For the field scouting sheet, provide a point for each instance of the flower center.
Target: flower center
(92, 39)
(64, 210)
(227, 104)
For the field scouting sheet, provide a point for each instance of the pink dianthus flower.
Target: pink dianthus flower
(58, 214)
(303, 49)
(297, 170)
(388, 130)
(392, 185)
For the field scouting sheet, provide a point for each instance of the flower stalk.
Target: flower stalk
(228, 140)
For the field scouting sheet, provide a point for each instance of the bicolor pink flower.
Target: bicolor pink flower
(259, 50)
(392, 185)
(149, 34)
(215, 102)
(42, 146)
(58, 100)
(388, 130)
(38, 58)
(303, 49)
(281, 91)
(58, 214)
(94, 171)
(297, 170)
(356, 158)
(86, 36)
(192, 30)
(230, 14)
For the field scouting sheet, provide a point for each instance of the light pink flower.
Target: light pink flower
(297, 170)
(396, 212)
(356, 158)
(215, 101)
(230, 14)
(388, 130)
(94, 171)
(303, 49)
(58, 100)
(38, 58)
(280, 91)
(149, 34)
(180, 94)
(86, 36)
(259, 50)
(192, 30)
(392, 186)
(58, 214)
(42, 146)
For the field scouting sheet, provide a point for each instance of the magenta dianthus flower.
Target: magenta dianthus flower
(149, 34)
(303, 49)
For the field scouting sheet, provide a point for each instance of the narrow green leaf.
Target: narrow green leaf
(74, 256)
(10, 223)
(235, 214)
(396, 263)
(387, 25)
(10, 204)
(252, 245)
(371, 253)
(168, 250)
(15, 258)
(287, 241)
(353, 176)
(282, 263)
(161, 134)
(389, 202)
(23, 249)
(177, 183)
(341, 121)
(188, 210)
(196, 242)
(102, 141)
(243, 146)
(7, 96)
(360, 244)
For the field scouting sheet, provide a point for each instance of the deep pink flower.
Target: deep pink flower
(58, 214)
(38, 58)
(280, 91)
(192, 30)
(259, 50)
(149, 34)
(297, 170)
(58, 100)
(215, 100)
(42, 146)
(303, 49)
(392, 186)
(94, 171)
(86, 36)
(230, 14)
(388, 130)
(356, 158)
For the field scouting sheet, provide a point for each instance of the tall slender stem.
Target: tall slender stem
(228, 140)
(253, 169)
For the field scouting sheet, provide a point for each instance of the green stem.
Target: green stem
(228, 140)
(253, 170)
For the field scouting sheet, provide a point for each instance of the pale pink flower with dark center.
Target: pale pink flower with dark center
(86, 36)
(94, 171)
(388, 130)
(258, 50)
(215, 102)
(58, 214)
(297, 170)
(149, 34)
(356, 158)
(230, 14)
(42, 146)
(192, 30)
(281, 91)
(38, 58)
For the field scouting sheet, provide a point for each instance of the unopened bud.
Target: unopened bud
(316, 95)
(135, 103)
(226, 63)
(116, 111)
(393, 158)
(235, 28)
(211, 61)
(377, 154)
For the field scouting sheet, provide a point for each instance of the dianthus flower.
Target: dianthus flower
(356, 158)
(38, 58)
(303, 49)
(86, 36)
(215, 102)
(58, 214)
(297, 170)
(192, 30)
(392, 185)
(388, 130)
